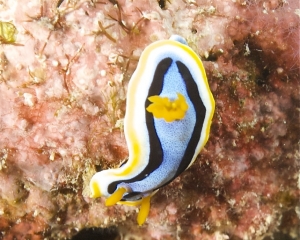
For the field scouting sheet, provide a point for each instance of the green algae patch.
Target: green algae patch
(8, 33)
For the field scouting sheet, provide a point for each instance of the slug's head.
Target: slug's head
(99, 184)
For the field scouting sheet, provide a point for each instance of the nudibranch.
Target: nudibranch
(169, 110)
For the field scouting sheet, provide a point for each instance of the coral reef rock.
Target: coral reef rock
(64, 70)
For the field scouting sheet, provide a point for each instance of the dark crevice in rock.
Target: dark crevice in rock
(94, 233)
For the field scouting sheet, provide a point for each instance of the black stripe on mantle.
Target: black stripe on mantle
(156, 152)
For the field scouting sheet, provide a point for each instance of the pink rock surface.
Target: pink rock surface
(63, 93)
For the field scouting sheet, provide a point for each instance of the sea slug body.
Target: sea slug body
(169, 111)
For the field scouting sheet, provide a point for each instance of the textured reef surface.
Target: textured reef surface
(64, 70)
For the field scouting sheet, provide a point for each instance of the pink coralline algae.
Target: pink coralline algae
(63, 81)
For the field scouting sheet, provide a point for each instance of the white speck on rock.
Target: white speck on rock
(28, 99)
